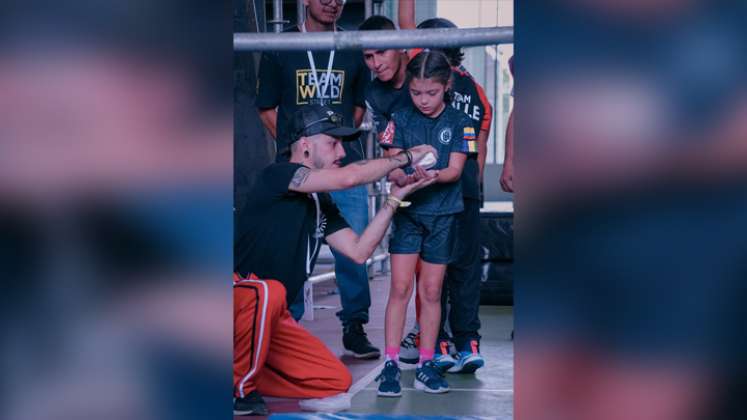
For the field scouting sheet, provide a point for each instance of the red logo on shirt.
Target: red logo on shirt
(387, 137)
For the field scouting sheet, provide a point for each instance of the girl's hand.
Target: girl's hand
(403, 191)
(420, 173)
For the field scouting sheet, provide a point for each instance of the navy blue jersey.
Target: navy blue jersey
(450, 132)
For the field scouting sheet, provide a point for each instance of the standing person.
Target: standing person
(388, 91)
(279, 238)
(424, 232)
(291, 79)
(463, 274)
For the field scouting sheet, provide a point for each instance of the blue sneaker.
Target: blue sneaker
(441, 358)
(468, 360)
(429, 378)
(389, 377)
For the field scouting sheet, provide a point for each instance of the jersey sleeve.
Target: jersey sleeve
(393, 135)
(268, 81)
(487, 109)
(335, 221)
(466, 132)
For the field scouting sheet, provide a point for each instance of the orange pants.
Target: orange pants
(273, 354)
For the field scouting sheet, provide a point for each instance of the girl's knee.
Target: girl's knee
(431, 294)
(400, 292)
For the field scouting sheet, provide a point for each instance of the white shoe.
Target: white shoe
(331, 404)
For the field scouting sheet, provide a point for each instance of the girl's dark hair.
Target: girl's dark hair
(455, 55)
(431, 64)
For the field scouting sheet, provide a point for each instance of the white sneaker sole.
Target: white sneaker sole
(468, 366)
(422, 387)
(389, 394)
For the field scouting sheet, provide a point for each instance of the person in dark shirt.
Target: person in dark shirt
(278, 237)
(292, 79)
(388, 91)
(424, 233)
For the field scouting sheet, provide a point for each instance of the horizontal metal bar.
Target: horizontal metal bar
(385, 39)
(330, 275)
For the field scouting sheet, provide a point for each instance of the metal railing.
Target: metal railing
(308, 287)
(384, 39)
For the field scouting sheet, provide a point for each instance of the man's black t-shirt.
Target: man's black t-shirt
(286, 80)
(383, 100)
(279, 232)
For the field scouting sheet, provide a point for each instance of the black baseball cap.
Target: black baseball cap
(310, 120)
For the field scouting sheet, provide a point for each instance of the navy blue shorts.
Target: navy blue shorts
(430, 236)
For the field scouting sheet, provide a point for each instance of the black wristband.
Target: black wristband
(409, 157)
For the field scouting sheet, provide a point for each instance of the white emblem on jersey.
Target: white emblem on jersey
(444, 136)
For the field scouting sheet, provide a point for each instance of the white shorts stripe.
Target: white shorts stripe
(257, 350)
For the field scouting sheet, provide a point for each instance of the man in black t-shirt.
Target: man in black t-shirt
(289, 80)
(278, 237)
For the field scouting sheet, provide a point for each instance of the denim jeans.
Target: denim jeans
(352, 278)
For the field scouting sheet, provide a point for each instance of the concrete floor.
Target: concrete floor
(486, 394)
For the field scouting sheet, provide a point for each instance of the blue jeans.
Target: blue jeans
(352, 278)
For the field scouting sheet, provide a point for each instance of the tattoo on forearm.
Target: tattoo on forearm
(300, 177)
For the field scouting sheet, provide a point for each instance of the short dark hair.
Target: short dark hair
(455, 55)
(376, 23)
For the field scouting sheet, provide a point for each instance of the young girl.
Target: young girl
(424, 231)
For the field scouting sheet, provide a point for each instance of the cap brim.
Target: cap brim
(342, 132)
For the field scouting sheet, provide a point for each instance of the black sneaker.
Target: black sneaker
(251, 405)
(356, 343)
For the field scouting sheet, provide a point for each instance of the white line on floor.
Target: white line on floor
(502, 391)
(362, 382)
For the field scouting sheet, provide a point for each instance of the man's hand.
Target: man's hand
(415, 184)
(507, 177)
(419, 152)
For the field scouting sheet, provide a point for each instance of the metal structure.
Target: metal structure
(385, 39)
(277, 16)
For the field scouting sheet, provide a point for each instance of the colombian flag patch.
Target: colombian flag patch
(470, 140)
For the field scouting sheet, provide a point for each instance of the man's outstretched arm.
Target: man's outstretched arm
(357, 173)
(360, 248)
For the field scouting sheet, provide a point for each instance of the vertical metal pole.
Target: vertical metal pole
(377, 8)
(277, 15)
(300, 12)
(368, 8)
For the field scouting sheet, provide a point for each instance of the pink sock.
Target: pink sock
(426, 354)
(392, 353)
